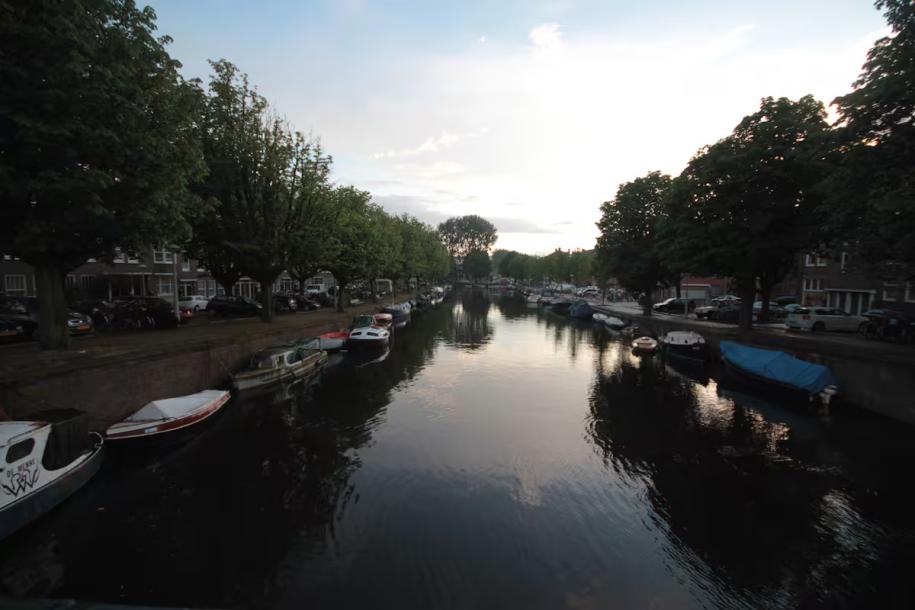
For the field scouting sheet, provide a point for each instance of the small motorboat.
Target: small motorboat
(283, 363)
(45, 461)
(645, 345)
(366, 334)
(533, 300)
(168, 415)
(334, 340)
(581, 309)
(400, 312)
(774, 369)
(685, 344)
(599, 318)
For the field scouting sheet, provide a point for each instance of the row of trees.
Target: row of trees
(560, 265)
(783, 182)
(104, 145)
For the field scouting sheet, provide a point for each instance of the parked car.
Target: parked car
(79, 323)
(776, 311)
(589, 293)
(284, 304)
(194, 302)
(816, 319)
(187, 314)
(233, 305)
(674, 305)
(727, 310)
(24, 310)
(792, 307)
(305, 302)
(15, 330)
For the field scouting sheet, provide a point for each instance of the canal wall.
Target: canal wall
(111, 388)
(873, 375)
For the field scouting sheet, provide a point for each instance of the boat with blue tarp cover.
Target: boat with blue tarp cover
(779, 370)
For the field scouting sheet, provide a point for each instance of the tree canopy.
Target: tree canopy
(98, 140)
(477, 264)
(463, 234)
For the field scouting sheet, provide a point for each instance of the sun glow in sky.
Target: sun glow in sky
(527, 113)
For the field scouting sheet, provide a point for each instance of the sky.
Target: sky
(529, 114)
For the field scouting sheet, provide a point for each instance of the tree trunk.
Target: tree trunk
(678, 286)
(747, 291)
(765, 293)
(52, 306)
(266, 300)
(341, 294)
(646, 302)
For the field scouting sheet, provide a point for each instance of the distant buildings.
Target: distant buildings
(841, 284)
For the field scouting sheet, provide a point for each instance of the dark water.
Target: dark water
(499, 457)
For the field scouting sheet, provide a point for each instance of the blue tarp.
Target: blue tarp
(779, 367)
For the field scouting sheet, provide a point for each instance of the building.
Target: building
(153, 272)
(841, 284)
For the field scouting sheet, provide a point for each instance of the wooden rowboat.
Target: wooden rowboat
(169, 415)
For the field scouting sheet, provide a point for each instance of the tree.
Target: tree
(463, 234)
(747, 206)
(874, 189)
(349, 238)
(266, 180)
(477, 264)
(98, 141)
(628, 245)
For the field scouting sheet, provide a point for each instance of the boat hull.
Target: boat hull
(32, 506)
(305, 368)
(168, 428)
(698, 352)
(767, 387)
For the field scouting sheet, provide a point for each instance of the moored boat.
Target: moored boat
(561, 306)
(384, 320)
(614, 323)
(581, 309)
(280, 364)
(533, 300)
(168, 415)
(645, 345)
(400, 312)
(366, 334)
(774, 369)
(685, 344)
(45, 461)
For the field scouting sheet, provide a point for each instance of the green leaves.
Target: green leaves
(463, 234)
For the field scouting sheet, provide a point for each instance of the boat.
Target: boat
(774, 369)
(333, 341)
(685, 344)
(283, 363)
(561, 305)
(168, 415)
(645, 345)
(547, 296)
(437, 295)
(366, 334)
(581, 309)
(45, 461)
(599, 317)
(533, 300)
(384, 320)
(400, 312)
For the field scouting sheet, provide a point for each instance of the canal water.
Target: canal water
(499, 457)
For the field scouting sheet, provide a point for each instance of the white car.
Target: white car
(817, 319)
(195, 302)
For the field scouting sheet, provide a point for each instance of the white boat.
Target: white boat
(366, 334)
(614, 323)
(169, 415)
(280, 364)
(533, 300)
(645, 345)
(44, 462)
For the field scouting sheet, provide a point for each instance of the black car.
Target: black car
(306, 302)
(143, 313)
(233, 305)
(12, 329)
(674, 305)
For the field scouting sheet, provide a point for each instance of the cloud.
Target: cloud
(519, 225)
(420, 207)
(546, 36)
(429, 171)
(482, 39)
(432, 144)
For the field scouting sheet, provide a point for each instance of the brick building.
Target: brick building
(841, 284)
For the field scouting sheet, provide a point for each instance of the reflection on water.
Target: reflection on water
(498, 456)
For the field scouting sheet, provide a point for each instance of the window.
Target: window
(119, 257)
(163, 256)
(292, 357)
(185, 264)
(813, 284)
(165, 286)
(187, 288)
(20, 450)
(70, 281)
(812, 260)
(14, 285)
(843, 262)
(85, 281)
(890, 291)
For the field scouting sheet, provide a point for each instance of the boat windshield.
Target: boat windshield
(267, 360)
(362, 321)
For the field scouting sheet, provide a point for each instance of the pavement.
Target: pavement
(846, 343)
(19, 361)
